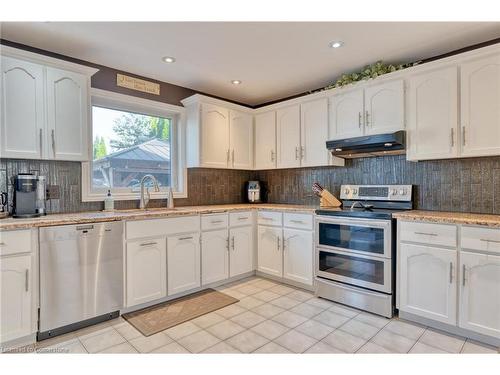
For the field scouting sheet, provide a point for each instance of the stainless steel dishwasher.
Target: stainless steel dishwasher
(81, 276)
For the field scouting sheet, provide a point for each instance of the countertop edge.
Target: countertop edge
(446, 217)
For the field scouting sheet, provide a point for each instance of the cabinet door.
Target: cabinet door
(433, 111)
(269, 256)
(183, 260)
(214, 256)
(480, 293)
(314, 133)
(241, 250)
(384, 108)
(346, 115)
(146, 270)
(265, 140)
(298, 256)
(428, 282)
(67, 109)
(480, 100)
(288, 137)
(214, 131)
(16, 297)
(22, 110)
(241, 140)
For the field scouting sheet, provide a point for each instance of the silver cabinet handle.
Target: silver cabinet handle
(216, 221)
(451, 272)
(367, 121)
(272, 155)
(296, 153)
(463, 135)
(227, 155)
(232, 242)
(297, 221)
(2, 243)
(41, 143)
(185, 238)
(27, 280)
(53, 141)
(302, 152)
(232, 156)
(278, 243)
(84, 227)
(227, 243)
(266, 218)
(284, 242)
(426, 234)
(243, 218)
(463, 274)
(359, 119)
(148, 243)
(452, 137)
(486, 240)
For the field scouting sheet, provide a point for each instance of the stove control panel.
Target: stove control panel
(376, 192)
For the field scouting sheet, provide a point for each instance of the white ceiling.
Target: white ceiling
(273, 59)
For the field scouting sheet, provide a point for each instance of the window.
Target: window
(131, 138)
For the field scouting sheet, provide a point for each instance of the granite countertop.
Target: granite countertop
(450, 217)
(137, 214)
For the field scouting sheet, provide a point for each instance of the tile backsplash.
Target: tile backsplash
(466, 185)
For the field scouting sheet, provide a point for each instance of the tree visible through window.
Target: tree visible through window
(127, 146)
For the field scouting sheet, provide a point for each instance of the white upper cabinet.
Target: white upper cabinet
(428, 282)
(67, 110)
(384, 107)
(265, 140)
(480, 293)
(433, 111)
(347, 115)
(241, 140)
(215, 152)
(314, 133)
(45, 109)
(214, 256)
(480, 103)
(22, 109)
(288, 137)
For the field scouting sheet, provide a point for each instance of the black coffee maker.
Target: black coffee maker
(29, 195)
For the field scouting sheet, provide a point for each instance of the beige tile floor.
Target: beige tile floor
(270, 318)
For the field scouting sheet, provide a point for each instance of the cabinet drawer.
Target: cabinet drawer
(270, 218)
(428, 233)
(214, 221)
(15, 242)
(480, 238)
(162, 227)
(299, 221)
(240, 218)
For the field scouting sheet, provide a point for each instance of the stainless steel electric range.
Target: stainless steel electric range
(356, 247)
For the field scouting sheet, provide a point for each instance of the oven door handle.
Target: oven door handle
(370, 223)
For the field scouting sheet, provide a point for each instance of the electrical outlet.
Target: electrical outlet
(53, 192)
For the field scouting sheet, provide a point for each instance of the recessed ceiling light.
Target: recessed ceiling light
(236, 82)
(168, 59)
(337, 44)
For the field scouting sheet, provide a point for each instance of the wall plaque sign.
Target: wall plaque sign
(137, 84)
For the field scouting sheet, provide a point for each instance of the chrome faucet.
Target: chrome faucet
(145, 200)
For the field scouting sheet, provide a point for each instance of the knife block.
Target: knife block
(327, 199)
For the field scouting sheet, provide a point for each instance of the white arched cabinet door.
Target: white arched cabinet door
(428, 282)
(241, 140)
(67, 115)
(384, 108)
(314, 132)
(346, 115)
(215, 152)
(480, 103)
(22, 110)
(214, 256)
(183, 263)
(433, 114)
(241, 250)
(288, 136)
(480, 293)
(269, 256)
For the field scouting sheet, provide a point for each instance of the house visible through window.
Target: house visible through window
(127, 146)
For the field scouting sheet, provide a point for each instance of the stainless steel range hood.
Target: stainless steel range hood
(370, 145)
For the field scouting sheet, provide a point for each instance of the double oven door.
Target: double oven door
(355, 251)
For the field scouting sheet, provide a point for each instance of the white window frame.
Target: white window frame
(121, 102)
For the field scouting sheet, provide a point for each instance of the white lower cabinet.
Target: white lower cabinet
(16, 296)
(146, 270)
(214, 256)
(183, 260)
(480, 293)
(428, 282)
(270, 257)
(298, 255)
(241, 251)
